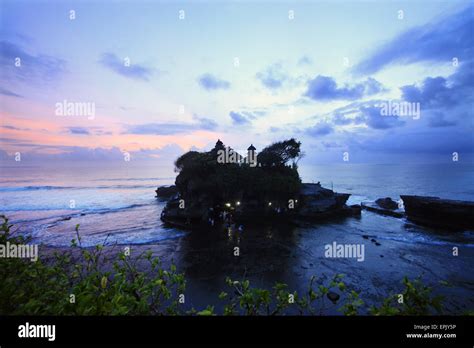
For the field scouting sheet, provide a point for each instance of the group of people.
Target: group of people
(226, 216)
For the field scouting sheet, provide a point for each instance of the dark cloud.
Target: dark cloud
(433, 92)
(325, 88)
(166, 154)
(201, 123)
(238, 118)
(14, 128)
(34, 69)
(435, 141)
(445, 101)
(9, 93)
(439, 41)
(205, 123)
(437, 119)
(341, 119)
(210, 82)
(134, 71)
(440, 92)
(78, 131)
(365, 113)
(320, 129)
(273, 77)
(373, 118)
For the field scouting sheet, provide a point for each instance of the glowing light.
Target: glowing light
(269, 203)
(227, 204)
(238, 203)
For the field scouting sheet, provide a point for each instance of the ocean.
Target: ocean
(117, 203)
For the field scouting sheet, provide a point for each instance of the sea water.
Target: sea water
(117, 202)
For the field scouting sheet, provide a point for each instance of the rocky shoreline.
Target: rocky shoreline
(313, 203)
(316, 203)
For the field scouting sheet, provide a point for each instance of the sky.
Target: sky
(164, 77)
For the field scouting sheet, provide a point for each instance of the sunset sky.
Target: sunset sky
(319, 76)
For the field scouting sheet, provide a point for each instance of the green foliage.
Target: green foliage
(279, 301)
(415, 299)
(36, 288)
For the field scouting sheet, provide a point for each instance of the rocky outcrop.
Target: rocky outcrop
(437, 212)
(313, 203)
(387, 203)
(318, 202)
(166, 192)
(384, 206)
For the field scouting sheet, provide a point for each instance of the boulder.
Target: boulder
(334, 297)
(387, 203)
(166, 192)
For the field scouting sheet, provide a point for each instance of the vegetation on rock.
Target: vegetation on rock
(203, 180)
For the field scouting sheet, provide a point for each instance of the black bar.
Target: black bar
(262, 330)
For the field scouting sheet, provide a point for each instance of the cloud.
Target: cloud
(437, 119)
(133, 71)
(34, 69)
(78, 130)
(438, 41)
(325, 88)
(166, 154)
(171, 128)
(205, 123)
(14, 128)
(320, 129)
(273, 77)
(445, 101)
(443, 92)
(340, 119)
(210, 82)
(364, 113)
(373, 118)
(432, 93)
(305, 60)
(238, 118)
(9, 93)
(439, 141)
(274, 129)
